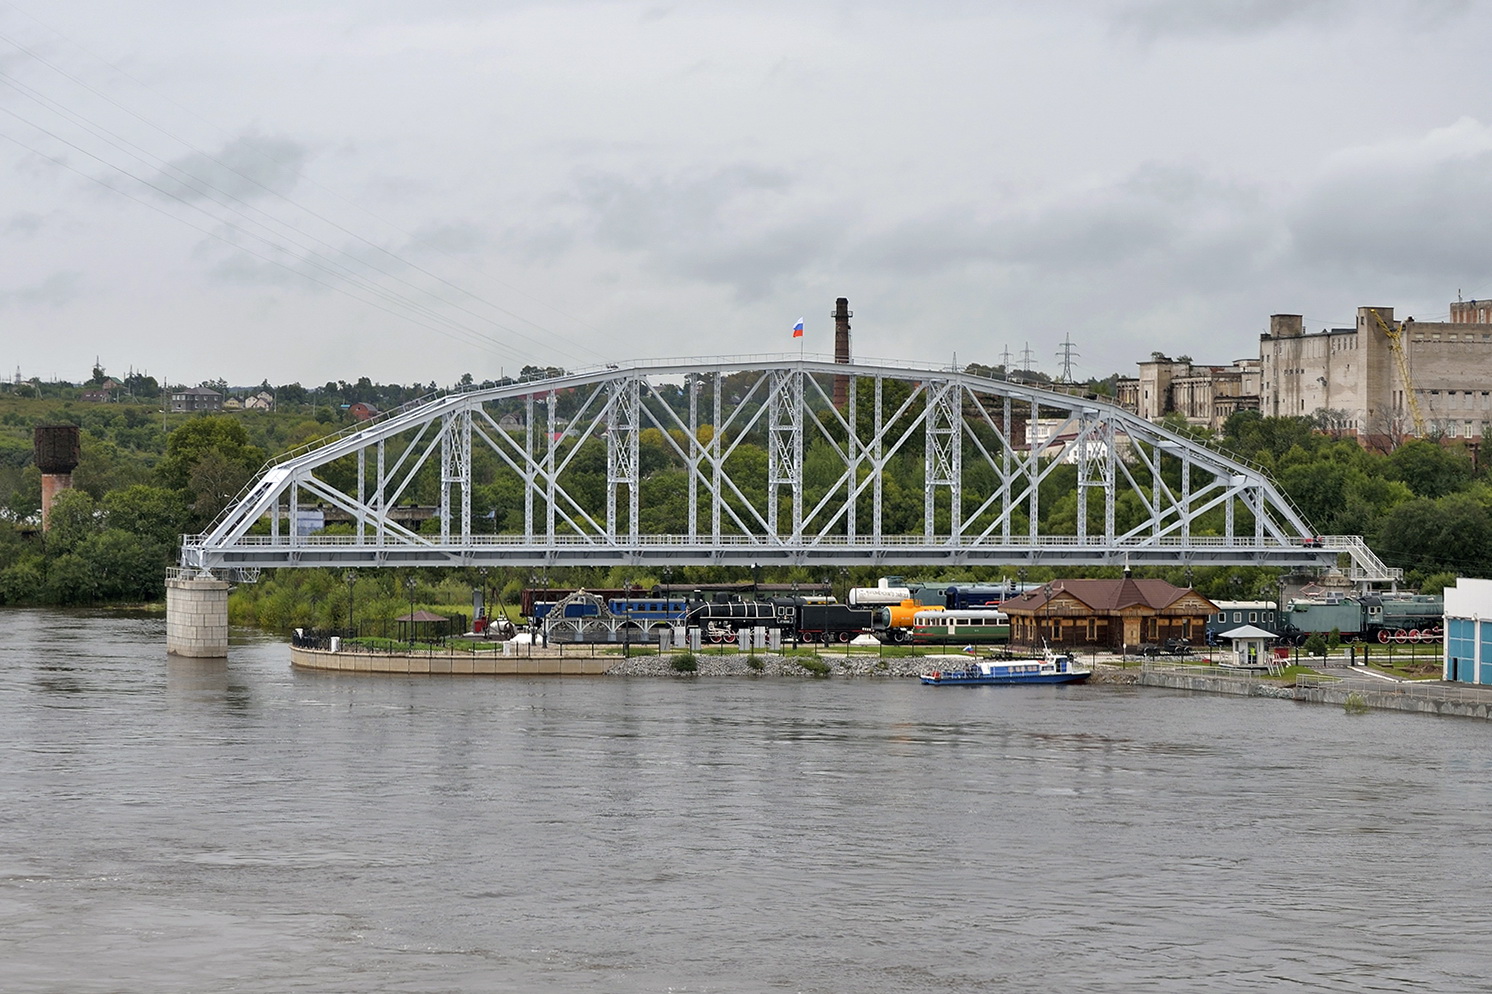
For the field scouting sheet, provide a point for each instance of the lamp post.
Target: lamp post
(409, 585)
(351, 577)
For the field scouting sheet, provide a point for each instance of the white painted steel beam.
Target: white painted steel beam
(763, 469)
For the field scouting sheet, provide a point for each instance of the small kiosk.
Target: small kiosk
(1249, 648)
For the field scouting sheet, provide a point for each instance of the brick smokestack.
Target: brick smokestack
(841, 350)
(57, 450)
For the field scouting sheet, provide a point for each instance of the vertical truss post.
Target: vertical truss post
(785, 446)
(943, 455)
(1157, 515)
(550, 483)
(692, 384)
(1085, 482)
(877, 454)
(622, 454)
(1007, 472)
(853, 451)
(380, 497)
(1110, 458)
(1095, 443)
(1228, 526)
(362, 494)
(717, 496)
(529, 456)
(1033, 470)
(1186, 496)
(294, 515)
(455, 468)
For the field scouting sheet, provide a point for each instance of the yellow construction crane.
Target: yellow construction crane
(1395, 336)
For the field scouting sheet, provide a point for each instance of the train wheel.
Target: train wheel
(844, 637)
(1383, 636)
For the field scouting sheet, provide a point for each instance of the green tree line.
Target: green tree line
(146, 478)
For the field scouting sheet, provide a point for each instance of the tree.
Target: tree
(72, 519)
(1428, 469)
(154, 513)
(189, 443)
(214, 482)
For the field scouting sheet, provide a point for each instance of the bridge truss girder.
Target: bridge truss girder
(771, 472)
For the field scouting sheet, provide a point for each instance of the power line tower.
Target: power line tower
(1065, 355)
(1027, 358)
(1005, 358)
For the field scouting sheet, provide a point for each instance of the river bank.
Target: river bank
(1352, 691)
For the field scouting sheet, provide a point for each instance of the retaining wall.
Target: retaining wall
(454, 664)
(1421, 697)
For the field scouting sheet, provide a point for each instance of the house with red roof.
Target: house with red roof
(1107, 614)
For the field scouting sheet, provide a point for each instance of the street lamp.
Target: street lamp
(409, 585)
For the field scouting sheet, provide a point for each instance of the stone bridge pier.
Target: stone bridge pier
(197, 616)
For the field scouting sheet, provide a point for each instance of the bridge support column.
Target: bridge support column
(197, 616)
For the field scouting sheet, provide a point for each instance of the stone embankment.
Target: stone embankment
(850, 665)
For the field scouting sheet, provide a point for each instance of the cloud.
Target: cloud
(24, 223)
(1151, 19)
(739, 225)
(250, 167)
(57, 290)
(1157, 217)
(448, 238)
(1414, 207)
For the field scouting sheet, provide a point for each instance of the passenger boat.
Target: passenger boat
(1053, 667)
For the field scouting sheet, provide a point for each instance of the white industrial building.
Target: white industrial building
(1468, 632)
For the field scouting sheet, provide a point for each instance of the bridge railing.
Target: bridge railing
(858, 541)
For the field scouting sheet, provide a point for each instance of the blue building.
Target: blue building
(1468, 632)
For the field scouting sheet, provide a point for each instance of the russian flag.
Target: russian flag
(798, 329)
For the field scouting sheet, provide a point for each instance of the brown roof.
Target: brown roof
(1101, 595)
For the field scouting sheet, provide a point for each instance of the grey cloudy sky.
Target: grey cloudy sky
(325, 189)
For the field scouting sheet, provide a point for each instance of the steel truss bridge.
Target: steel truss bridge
(751, 462)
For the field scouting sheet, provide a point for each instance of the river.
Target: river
(170, 825)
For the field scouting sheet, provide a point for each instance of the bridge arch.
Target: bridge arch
(750, 462)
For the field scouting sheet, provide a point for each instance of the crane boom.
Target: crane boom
(1395, 335)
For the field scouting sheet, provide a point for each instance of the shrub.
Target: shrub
(684, 663)
(755, 663)
(1355, 703)
(1315, 645)
(816, 667)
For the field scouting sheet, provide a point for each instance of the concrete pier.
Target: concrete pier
(197, 616)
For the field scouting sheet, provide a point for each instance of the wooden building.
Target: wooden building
(1107, 614)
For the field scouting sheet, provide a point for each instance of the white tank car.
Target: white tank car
(878, 596)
